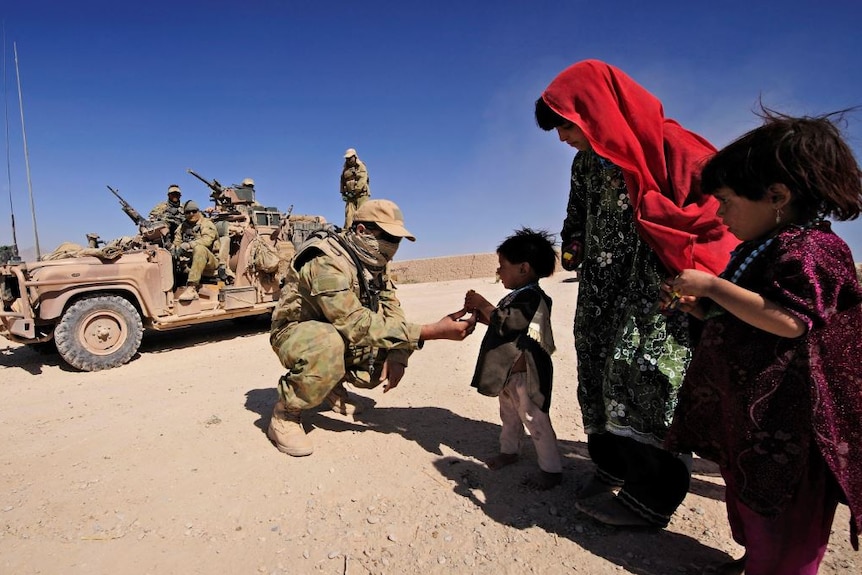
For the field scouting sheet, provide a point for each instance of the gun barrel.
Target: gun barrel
(128, 209)
(213, 185)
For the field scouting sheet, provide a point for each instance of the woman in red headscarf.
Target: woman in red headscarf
(635, 216)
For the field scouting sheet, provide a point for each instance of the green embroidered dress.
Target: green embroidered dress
(631, 358)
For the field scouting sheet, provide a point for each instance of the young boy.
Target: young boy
(514, 361)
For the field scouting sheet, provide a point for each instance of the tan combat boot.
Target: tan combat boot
(190, 293)
(285, 430)
(340, 401)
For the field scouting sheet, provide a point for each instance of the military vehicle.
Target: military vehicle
(94, 303)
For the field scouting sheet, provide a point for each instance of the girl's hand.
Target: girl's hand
(672, 296)
(692, 283)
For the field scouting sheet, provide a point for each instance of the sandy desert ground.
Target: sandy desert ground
(162, 467)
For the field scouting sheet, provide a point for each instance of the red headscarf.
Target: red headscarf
(660, 160)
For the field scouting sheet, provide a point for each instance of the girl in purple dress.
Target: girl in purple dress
(774, 390)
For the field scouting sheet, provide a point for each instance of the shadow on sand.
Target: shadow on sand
(34, 358)
(502, 497)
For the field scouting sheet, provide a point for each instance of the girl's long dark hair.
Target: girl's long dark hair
(806, 154)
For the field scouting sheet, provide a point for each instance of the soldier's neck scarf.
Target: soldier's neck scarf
(368, 250)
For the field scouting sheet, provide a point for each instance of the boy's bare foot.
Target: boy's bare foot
(592, 487)
(542, 480)
(501, 460)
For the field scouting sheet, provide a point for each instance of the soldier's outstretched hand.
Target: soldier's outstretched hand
(453, 326)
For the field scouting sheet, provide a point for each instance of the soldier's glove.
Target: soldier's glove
(175, 253)
(572, 255)
(185, 247)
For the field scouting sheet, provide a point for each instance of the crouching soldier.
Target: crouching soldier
(195, 239)
(338, 321)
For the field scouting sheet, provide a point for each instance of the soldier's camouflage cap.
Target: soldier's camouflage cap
(174, 189)
(350, 153)
(385, 214)
(191, 206)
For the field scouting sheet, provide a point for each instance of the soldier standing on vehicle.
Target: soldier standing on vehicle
(246, 190)
(354, 185)
(195, 239)
(338, 321)
(170, 211)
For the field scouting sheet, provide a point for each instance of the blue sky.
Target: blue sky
(437, 98)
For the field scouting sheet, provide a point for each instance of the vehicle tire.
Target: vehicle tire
(99, 332)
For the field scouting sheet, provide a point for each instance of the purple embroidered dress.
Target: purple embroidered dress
(759, 404)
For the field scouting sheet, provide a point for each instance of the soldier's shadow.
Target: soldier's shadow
(434, 427)
(501, 495)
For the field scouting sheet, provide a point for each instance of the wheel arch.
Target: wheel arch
(54, 308)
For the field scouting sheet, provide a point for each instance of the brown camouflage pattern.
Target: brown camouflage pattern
(322, 333)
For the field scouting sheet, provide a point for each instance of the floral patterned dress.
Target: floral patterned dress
(631, 358)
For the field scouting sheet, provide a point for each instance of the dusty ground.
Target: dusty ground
(162, 466)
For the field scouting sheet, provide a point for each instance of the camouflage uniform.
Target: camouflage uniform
(202, 237)
(322, 332)
(355, 188)
(170, 213)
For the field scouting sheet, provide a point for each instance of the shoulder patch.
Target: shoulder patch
(329, 283)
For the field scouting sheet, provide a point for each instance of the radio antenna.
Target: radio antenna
(15, 255)
(26, 153)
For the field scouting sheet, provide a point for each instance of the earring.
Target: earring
(777, 215)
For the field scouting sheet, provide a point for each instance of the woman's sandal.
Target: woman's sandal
(605, 508)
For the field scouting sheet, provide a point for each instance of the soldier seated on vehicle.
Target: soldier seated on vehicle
(235, 204)
(195, 240)
(171, 211)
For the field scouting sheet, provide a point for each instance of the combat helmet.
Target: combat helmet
(248, 183)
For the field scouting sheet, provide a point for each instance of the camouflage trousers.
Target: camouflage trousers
(350, 207)
(317, 360)
(203, 260)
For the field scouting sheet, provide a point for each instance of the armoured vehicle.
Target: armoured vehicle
(94, 303)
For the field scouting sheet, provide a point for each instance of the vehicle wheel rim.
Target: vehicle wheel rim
(101, 333)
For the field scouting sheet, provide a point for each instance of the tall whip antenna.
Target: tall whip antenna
(15, 255)
(26, 153)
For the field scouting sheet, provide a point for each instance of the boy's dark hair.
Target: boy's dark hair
(806, 154)
(536, 247)
(546, 118)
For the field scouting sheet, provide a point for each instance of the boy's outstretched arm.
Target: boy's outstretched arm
(479, 306)
(747, 305)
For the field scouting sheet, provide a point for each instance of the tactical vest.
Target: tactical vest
(366, 285)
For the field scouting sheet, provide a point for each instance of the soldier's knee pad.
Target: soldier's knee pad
(312, 351)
